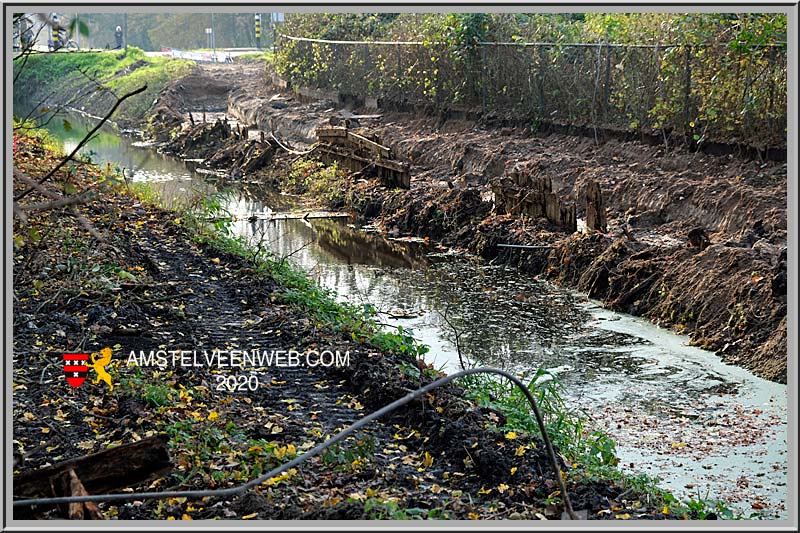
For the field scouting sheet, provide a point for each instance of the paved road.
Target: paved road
(221, 53)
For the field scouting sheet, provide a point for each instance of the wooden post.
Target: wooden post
(482, 67)
(606, 85)
(542, 71)
(687, 89)
(595, 208)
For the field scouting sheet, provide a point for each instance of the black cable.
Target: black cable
(232, 491)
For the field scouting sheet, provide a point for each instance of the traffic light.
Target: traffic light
(56, 33)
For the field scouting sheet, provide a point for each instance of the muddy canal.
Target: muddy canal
(705, 428)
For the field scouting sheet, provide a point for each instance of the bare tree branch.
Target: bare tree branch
(30, 182)
(54, 204)
(58, 201)
(86, 224)
(456, 333)
(20, 214)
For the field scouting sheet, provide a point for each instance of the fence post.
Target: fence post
(606, 85)
(542, 70)
(482, 68)
(398, 79)
(687, 89)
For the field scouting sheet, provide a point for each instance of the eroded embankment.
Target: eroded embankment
(729, 297)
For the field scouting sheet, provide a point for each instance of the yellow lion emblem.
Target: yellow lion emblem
(99, 365)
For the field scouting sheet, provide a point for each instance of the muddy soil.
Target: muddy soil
(729, 296)
(440, 454)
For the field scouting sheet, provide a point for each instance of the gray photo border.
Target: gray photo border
(791, 10)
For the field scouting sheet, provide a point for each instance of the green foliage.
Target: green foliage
(722, 82)
(323, 182)
(117, 71)
(350, 458)
(566, 428)
(41, 136)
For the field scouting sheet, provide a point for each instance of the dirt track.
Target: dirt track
(729, 297)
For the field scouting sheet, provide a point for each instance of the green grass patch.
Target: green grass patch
(321, 181)
(118, 71)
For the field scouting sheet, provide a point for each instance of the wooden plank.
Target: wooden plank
(362, 142)
(297, 216)
(112, 469)
(387, 163)
(331, 131)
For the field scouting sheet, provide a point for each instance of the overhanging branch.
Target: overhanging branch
(83, 142)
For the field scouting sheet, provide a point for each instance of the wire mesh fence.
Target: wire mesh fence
(699, 92)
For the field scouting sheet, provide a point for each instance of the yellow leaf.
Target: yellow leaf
(215, 260)
(213, 415)
(249, 516)
(484, 491)
(474, 516)
(371, 493)
(624, 516)
(185, 517)
(665, 510)
(502, 487)
(511, 435)
(428, 460)
(520, 451)
(513, 470)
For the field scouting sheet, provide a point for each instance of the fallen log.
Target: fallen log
(102, 472)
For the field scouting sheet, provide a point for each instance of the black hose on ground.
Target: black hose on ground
(233, 491)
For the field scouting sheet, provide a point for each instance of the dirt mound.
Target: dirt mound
(198, 91)
(221, 149)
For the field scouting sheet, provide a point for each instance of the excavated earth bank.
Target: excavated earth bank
(729, 296)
